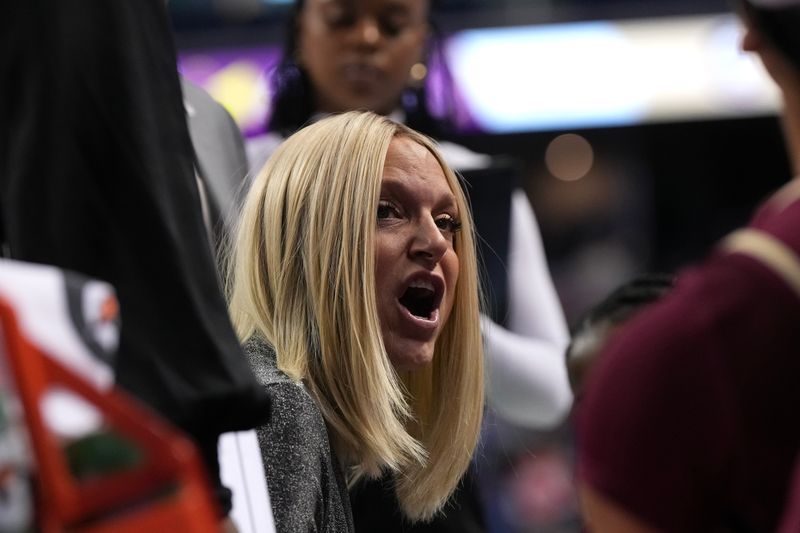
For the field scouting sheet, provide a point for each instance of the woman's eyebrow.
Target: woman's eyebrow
(448, 202)
(396, 8)
(399, 187)
(338, 4)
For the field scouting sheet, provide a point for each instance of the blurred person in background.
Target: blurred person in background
(373, 54)
(354, 286)
(536, 490)
(598, 325)
(689, 420)
(96, 176)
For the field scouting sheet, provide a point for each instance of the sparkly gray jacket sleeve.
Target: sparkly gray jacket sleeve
(306, 485)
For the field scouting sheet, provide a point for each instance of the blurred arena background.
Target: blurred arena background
(616, 111)
(616, 108)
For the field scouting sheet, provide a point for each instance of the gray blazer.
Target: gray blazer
(220, 157)
(306, 484)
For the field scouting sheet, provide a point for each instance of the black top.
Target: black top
(375, 508)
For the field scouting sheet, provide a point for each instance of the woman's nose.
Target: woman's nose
(367, 32)
(429, 243)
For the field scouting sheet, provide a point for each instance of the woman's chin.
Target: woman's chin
(410, 362)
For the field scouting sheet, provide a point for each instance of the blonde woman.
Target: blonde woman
(354, 287)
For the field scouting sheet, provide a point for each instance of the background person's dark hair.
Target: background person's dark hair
(626, 299)
(293, 97)
(589, 333)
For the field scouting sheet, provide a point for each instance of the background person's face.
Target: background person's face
(416, 266)
(358, 53)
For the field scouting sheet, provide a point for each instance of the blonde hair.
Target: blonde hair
(303, 276)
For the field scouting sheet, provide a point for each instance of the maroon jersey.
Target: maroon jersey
(690, 421)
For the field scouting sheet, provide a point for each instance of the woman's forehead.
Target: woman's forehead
(412, 165)
(408, 152)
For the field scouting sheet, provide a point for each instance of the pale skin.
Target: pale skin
(601, 514)
(417, 217)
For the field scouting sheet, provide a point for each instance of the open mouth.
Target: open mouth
(421, 298)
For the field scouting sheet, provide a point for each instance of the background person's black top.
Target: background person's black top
(96, 176)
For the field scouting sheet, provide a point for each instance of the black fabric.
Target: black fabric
(489, 190)
(96, 176)
(375, 508)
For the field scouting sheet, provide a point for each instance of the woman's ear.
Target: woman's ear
(419, 70)
(424, 44)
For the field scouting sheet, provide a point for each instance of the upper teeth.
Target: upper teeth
(421, 284)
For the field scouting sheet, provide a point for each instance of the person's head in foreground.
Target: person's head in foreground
(355, 260)
(772, 30)
(772, 26)
(595, 329)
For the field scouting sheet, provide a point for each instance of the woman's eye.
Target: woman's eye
(392, 26)
(339, 17)
(387, 210)
(448, 223)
